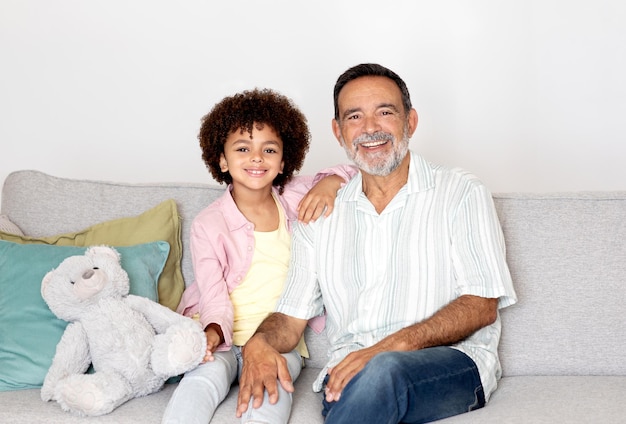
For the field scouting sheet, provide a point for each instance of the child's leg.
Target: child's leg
(280, 411)
(201, 391)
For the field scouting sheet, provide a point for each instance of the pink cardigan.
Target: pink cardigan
(222, 244)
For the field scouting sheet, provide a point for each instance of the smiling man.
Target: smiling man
(411, 286)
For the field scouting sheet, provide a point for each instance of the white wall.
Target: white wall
(529, 95)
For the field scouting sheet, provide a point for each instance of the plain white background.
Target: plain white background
(528, 95)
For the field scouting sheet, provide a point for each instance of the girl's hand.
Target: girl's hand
(213, 340)
(321, 197)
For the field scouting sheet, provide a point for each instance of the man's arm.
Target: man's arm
(453, 323)
(263, 362)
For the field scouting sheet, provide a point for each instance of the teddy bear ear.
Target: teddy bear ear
(44, 282)
(96, 251)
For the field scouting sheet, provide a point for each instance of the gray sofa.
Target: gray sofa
(563, 346)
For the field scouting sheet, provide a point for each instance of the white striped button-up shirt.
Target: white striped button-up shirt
(438, 238)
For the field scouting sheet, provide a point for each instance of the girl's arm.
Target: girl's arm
(320, 199)
(214, 306)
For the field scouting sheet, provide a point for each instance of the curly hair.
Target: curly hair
(243, 110)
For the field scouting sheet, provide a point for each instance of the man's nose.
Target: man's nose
(371, 124)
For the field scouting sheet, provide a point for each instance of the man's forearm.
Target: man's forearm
(281, 331)
(451, 324)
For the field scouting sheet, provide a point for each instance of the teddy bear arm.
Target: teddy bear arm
(71, 357)
(160, 317)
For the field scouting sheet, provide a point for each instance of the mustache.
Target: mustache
(377, 136)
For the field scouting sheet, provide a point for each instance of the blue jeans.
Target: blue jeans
(409, 387)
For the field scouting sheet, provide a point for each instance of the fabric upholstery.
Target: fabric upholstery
(6, 226)
(567, 256)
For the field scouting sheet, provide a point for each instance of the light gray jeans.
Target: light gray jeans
(201, 391)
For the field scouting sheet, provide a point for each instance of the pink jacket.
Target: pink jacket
(222, 244)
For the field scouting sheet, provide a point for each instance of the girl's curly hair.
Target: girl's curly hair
(239, 113)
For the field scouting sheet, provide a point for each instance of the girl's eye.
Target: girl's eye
(270, 151)
(242, 149)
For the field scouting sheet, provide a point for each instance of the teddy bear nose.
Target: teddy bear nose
(88, 274)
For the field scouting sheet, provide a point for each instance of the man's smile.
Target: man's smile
(372, 144)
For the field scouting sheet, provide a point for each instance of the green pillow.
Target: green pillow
(159, 223)
(29, 331)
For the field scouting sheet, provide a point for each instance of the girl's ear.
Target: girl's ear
(282, 166)
(223, 163)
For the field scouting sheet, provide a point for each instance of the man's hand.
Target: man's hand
(451, 324)
(262, 366)
(341, 374)
(321, 196)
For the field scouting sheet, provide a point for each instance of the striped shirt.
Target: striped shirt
(439, 238)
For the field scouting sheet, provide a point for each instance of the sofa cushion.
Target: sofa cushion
(158, 223)
(9, 227)
(552, 400)
(28, 329)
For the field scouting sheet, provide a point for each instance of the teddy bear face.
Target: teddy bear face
(80, 281)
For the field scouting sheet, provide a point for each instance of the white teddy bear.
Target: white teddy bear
(134, 344)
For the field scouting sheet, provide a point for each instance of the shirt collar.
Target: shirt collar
(236, 220)
(421, 176)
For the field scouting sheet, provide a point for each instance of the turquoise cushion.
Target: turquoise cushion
(29, 331)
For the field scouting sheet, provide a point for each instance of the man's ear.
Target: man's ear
(412, 121)
(337, 131)
(223, 163)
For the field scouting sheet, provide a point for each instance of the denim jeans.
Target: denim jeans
(409, 387)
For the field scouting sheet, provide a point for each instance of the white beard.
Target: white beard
(381, 164)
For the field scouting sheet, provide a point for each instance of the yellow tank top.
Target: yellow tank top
(256, 296)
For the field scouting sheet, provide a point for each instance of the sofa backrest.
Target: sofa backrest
(43, 205)
(567, 256)
(566, 253)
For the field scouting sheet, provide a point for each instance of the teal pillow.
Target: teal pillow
(29, 331)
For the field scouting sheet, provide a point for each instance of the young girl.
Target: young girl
(240, 244)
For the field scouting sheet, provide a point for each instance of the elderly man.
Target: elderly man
(410, 269)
